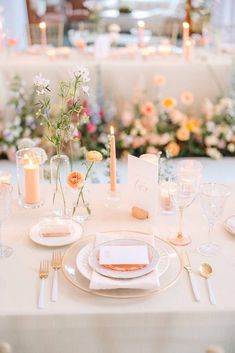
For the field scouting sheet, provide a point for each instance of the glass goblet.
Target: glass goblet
(213, 197)
(5, 208)
(185, 192)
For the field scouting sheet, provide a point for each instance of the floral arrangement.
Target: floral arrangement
(23, 129)
(150, 126)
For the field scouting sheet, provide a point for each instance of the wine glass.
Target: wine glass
(187, 181)
(213, 197)
(5, 207)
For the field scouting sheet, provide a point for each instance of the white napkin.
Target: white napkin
(149, 281)
(55, 227)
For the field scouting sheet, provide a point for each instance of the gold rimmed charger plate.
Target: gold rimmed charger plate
(167, 279)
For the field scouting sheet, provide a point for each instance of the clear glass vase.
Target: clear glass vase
(81, 209)
(60, 168)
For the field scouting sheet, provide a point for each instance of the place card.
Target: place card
(142, 185)
(123, 255)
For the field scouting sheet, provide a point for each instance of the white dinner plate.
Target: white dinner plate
(229, 224)
(94, 262)
(36, 237)
(82, 261)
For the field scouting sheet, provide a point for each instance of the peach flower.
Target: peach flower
(147, 109)
(138, 141)
(159, 80)
(75, 180)
(193, 125)
(187, 98)
(173, 148)
(183, 134)
(169, 103)
(176, 116)
(94, 156)
(152, 149)
(149, 122)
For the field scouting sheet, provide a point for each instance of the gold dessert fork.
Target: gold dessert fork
(56, 265)
(43, 274)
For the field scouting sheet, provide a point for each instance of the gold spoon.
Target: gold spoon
(206, 272)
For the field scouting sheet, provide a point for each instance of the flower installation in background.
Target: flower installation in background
(23, 130)
(152, 126)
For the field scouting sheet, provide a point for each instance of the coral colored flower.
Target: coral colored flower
(91, 128)
(75, 180)
(147, 108)
(173, 148)
(159, 80)
(193, 125)
(187, 98)
(11, 42)
(169, 103)
(94, 156)
(183, 134)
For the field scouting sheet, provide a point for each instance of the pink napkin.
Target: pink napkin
(149, 281)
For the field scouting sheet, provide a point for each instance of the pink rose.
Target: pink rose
(91, 128)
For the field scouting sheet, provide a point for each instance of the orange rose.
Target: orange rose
(173, 148)
(183, 134)
(193, 125)
(75, 180)
(94, 156)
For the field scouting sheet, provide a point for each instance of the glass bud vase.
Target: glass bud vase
(81, 209)
(60, 168)
(30, 176)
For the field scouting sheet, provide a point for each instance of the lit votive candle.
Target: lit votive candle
(188, 49)
(43, 28)
(5, 177)
(167, 188)
(51, 53)
(32, 181)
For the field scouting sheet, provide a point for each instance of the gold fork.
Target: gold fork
(56, 265)
(43, 274)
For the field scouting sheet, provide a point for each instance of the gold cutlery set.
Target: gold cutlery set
(206, 272)
(43, 275)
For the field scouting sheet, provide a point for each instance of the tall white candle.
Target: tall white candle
(43, 28)
(141, 30)
(112, 160)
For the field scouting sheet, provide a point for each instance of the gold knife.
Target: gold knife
(193, 282)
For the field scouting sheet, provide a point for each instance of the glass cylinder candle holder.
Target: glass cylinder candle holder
(165, 200)
(30, 176)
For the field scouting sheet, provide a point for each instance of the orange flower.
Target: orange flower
(94, 156)
(147, 108)
(173, 148)
(183, 134)
(193, 125)
(75, 180)
(169, 103)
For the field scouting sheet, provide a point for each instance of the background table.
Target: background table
(206, 75)
(167, 322)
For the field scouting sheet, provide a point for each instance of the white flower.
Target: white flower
(85, 89)
(231, 147)
(208, 109)
(29, 120)
(211, 126)
(213, 153)
(226, 103)
(211, 140)
(41, 84)
(176, 116)
(82, 73)
(17, 121)
(187, 98)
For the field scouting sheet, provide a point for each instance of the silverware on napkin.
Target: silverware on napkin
(192, 278)
(43, 274)
(56, 265)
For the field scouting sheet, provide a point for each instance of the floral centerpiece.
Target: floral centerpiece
(60, 129)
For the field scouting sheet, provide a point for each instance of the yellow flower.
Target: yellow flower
(94, 156)
(147, 109)
(75, 180)
(187, 98)
(183, 134)
(173, 148)
(169, 103)
(193, 125)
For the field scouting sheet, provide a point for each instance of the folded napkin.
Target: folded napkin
(54, 227)
(149, 281)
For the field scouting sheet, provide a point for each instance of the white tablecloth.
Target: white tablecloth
(81, 323)
(120, 76)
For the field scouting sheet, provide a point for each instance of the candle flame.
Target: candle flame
(42, 25)
(141, 24)
(188, 43)
(111, 130)
(185, 25)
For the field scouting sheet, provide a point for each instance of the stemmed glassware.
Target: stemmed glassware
(187, 181)
(5, 207)
(213, 197)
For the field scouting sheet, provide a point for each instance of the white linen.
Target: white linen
(206, 75)
(149, 281)
(167, 322)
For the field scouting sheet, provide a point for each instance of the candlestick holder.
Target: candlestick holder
(30, 176)
(113, 199)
